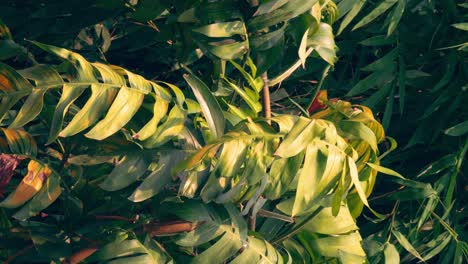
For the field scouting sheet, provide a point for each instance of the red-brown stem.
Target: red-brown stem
(19, 253)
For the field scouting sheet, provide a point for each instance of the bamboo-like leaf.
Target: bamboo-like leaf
(252, 101)
(396, 16)
(210, 107)
(406, 244)
(356, 8)
(384, 170)
(457, 130)
(380, 9)
(375, 79)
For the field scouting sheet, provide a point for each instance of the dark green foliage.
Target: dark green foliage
(179, 166)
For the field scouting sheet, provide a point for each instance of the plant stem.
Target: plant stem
(19, 253)
(266, 98)
(319, 86)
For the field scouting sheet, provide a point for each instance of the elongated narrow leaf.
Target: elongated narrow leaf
(210, 107)
(42, 75)
(406, 244)
(457, 130)
(396, 16)
(356, 8)
(385, 170)
(380, 9)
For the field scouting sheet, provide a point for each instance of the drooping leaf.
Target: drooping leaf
(209, 105)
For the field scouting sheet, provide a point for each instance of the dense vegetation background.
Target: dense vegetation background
(404, 59)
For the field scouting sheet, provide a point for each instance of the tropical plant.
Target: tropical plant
(231, 151)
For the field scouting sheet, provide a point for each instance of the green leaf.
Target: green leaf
(303, 131)
(124, 106)
(357, 130)
(252, 101)
(384, 63)
(323, 42)
(325, 223)
(302, 49)
(210, 107)
(222, 29)
(20, 142)
(289, 10)
(331, 246)
(45, 197)
(307, 189)
(380, 9)
(457, 130)
(129, 169)
(158, 179)
(461, 26)
(43, 76)
(396, 16)
(376, 79)
(118, 249)
(391, 254)
(282, 173)
(232, 157)
(406, 244)
(168, 130)
(380, 40)
(384, 170)
(10, 81)
(439, 165)
(358, 4)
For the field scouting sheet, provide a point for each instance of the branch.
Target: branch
(266, 98)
